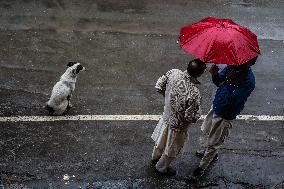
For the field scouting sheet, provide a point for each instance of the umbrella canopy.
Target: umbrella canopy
(219, 41)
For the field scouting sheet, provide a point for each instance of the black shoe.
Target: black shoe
(154, 161)
(170, 172)
(197, 173)
(200, 154)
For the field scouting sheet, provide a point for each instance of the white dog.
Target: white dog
(63, 89)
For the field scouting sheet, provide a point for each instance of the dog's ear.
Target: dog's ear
(71, 64)
(79, 68)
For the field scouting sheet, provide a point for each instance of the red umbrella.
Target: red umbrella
(219, 41)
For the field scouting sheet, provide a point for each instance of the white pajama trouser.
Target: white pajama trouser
(168, 144)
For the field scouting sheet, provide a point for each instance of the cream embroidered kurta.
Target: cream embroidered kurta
(182, 99)
(182, 107)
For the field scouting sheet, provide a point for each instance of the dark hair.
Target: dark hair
(252, 61)
(196, 68)
(246, 65)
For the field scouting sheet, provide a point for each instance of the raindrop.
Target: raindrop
(272, 51)
(274, 138)
(268, 102)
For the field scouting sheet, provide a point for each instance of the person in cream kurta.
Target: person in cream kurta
(182, 107)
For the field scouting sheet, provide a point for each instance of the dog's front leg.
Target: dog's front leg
(69, 106)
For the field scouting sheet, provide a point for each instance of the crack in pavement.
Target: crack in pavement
(261, 153)
(23, 90)
(140, 183)
(228, 183)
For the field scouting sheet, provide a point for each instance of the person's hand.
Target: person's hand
(214, 70)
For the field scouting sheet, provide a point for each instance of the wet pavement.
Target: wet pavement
(125, 46)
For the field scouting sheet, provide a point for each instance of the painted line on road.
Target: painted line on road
(121, 118)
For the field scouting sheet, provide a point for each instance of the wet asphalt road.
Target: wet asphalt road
(125, 46)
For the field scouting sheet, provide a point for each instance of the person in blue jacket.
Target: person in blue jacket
(235, 84)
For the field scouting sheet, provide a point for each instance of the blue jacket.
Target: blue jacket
(234, 87)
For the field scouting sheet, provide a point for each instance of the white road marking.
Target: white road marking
(121, 118)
